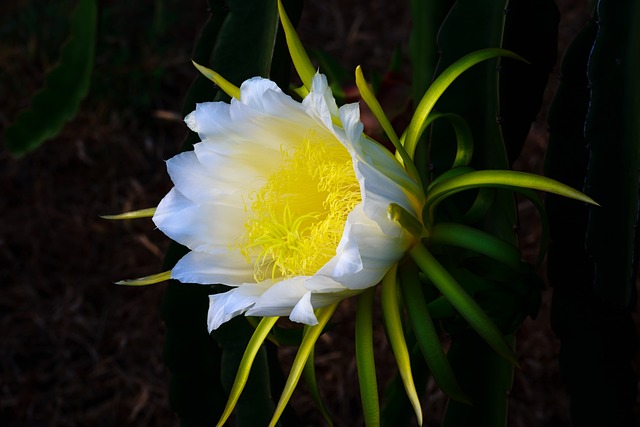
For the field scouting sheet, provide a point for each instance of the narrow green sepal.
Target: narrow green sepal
(369, 98)
(398, 214)
(426, 333)
(227, 87)
(147, 280)
(254, 344)
(142, 213)
(393, 321)
(479, 241)
(499, 179)
(466, 306)
(301, 91)
(299, 56)
(439, 85)
(308, 342)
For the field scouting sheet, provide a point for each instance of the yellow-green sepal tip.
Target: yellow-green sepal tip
(242, 375)
(311, 335)
(147, 280)
(409, 222)
(392, 319)
(226, 86)
(142, 213)
(369, 98)
(299, 56)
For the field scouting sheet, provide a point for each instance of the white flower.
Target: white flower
(286, 202)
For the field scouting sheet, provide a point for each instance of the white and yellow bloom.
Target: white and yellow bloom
(286, 202)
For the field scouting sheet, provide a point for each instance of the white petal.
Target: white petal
(288, 298)
(365, 253)
(350, 119)
(384, 182)
(319, 103)
(303, 311)
(227, 305)
(265, 115)
(195, 181)
(264, 96)
(237, 167)
(209, 118)
(226, 267)
(280, 298)
(201, 227)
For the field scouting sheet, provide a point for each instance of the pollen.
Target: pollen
(298, 216)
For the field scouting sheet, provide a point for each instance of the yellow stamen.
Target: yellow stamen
(298, 216)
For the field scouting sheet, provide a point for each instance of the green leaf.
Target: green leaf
(486, 379)
(612, 135)
(65, 86)
(245, 44)
(531, 30)
(426, 17)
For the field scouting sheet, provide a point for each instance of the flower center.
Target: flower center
(300, 213)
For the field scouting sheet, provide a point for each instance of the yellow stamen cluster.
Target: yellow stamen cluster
(298, 216)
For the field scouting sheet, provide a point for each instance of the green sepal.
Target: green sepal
(242, 375)
(309, 339)
(301, 60)
(479, 241)
(499, 179)
(147, 280)
(406, 220)
(466, 306)
(369, 98)
(230, 89)
(426, 334)
(142, 213)
(439, 85)
(393, 322)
